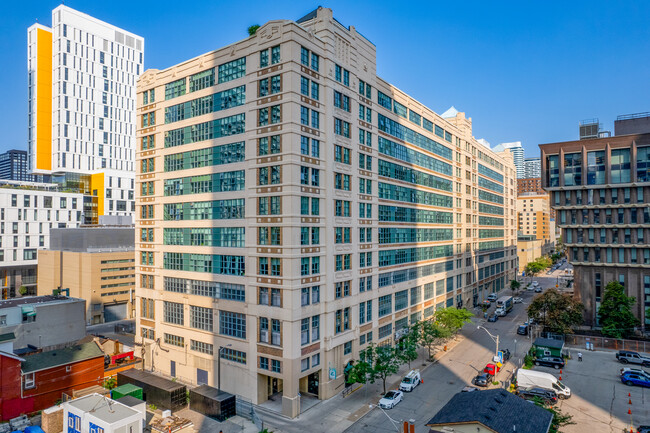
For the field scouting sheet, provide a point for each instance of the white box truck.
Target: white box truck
(528, 378)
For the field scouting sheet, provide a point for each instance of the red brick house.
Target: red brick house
(10, 401)
(42, 378)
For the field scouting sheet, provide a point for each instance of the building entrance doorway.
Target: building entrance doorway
(313, 381)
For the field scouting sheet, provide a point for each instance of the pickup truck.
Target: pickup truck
(629, 357)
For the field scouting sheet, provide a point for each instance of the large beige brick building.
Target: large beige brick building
(294, 207)
(94, 263)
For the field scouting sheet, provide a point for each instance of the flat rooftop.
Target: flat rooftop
(35, 300)
(103, 408)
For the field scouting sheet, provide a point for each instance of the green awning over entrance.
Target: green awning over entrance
(28, 310)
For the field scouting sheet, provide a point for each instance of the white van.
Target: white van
(410, 381)
(532, 378)
(492, 297)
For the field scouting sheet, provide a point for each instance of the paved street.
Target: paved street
(455, 370)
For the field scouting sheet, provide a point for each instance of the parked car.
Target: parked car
(410, 381)
(643, 429)
(517, 300)
(635, 371)
(546, 395)
(492, 297)
(483, 379)
(522, 330)
(538, 289)
(493, 318)
(506, 354)
(486, 303)
(535, 284)
(635, 379)
(550, 361)
(391, 398)
(629, 357)
(469, 389)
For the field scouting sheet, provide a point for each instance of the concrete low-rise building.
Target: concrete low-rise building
(43, 322)
(95, 263)
(95, 413)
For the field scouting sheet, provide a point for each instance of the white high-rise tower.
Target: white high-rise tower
(517, 153)
(82, 79)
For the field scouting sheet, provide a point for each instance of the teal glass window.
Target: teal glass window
(401, 132)
(620, 165)
(572, 169)
(553, 170)
(410, 195)
(411, 215)
(411, 156)
(223, 127)
(400, 109)
(175, 88)
(217, 155)
(384, 100)
(596, 167)
(643, 164)
(202, 80)
(415, 118)
(398, 172)
(232, 70)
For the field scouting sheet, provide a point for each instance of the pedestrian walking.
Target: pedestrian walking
(580, 356)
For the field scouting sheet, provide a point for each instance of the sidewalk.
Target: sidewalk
(339, 413)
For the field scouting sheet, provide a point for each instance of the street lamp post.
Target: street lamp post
(494, 338)
(219, 366)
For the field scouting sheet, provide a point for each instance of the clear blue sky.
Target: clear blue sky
(523, 71)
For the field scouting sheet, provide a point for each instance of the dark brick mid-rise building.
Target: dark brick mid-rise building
(600, 189)
(13, 166)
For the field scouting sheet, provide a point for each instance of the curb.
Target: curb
(436, 357)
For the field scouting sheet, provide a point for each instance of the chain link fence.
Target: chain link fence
(607, 343)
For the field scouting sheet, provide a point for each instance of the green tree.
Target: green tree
(559, 419)
(110, 383)
(514, 285)
(376, 363)
(452, 319)
(615, 312)
(408, 348)
(556, 312)
(428, 333)
(253, 29)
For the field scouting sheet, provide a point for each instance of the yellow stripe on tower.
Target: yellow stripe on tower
(44, 100)
(97, 184)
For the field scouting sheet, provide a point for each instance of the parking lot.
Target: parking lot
(599, 401)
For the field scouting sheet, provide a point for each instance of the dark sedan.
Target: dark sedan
(547, 396)
(482, 379)
(550, 361)
(493, 318)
